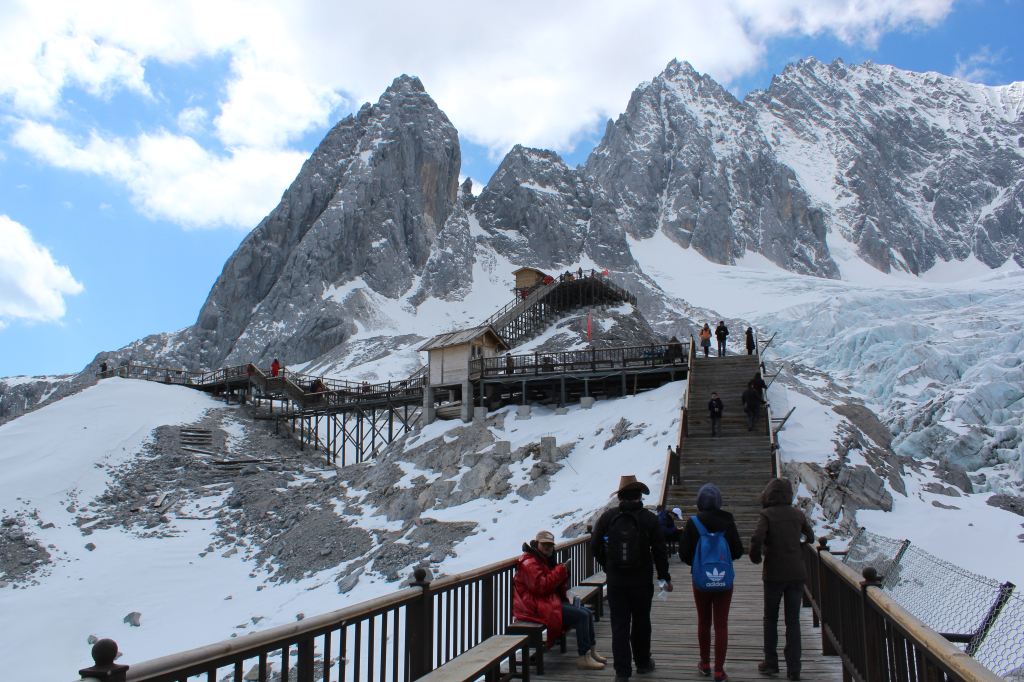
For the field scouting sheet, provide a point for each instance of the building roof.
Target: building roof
(462, 336)
(541, 272)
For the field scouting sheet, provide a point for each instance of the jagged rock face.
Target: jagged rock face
(367, 205)
(689, 159)
(913, 167)
(537, 211)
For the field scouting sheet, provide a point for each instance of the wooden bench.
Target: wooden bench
(592, 596)
(485, 659)
(596, 581)
(534, 633)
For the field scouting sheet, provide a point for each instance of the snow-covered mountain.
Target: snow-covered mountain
(870, 216)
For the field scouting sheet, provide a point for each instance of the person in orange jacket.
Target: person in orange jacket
(539, 595)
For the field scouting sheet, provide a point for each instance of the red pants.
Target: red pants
(713, 606)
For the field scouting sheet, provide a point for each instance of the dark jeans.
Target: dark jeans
(582, 620)
(791, 594)
(706, 347)
(716, 425)
(752, 417)
(630, 607)
(721, 347)
(713, 606)
(750, 351)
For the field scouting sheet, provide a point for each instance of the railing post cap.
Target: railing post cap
(420, 577)
(823, 543)
(871, 576)
(104, 652)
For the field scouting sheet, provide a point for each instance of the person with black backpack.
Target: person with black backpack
(709, 544)
(627, 542)
(721, 332)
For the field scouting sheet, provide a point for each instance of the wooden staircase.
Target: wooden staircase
(738, 461)
(523, 319)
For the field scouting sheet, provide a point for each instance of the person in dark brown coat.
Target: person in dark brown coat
(781, 528)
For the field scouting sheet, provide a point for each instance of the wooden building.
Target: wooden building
(449, 354)
(527, 278)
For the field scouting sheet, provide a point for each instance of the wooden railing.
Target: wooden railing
(877, 639)
(397, 638)
(576, 361)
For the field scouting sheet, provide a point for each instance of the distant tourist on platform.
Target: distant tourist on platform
(751, 346)
(579, 273)
(675, 350)
(721, 332)
(540, 595)
(510, 364)
(781, 528)
(626, 542)
(275, 367)
(715, 409)
(705, 339)
(704, 539)
(752, 402)
(758, 382)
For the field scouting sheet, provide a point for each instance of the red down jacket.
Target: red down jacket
(538, 590)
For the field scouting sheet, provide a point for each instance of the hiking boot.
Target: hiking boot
(793, 676)
(646, 667)
(585, 662)
(720, 676)
(704, 669)
(596, 656)
(766, 668)
(620, 678)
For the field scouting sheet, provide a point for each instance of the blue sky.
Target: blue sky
(140, 142)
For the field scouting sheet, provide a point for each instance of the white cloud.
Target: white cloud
(32, 284)
(171, 176)
(192, 120)
(980, 66)
(534, 71)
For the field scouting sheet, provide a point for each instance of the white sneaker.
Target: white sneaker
(596, 656)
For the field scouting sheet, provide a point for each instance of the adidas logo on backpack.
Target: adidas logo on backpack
(712, 569)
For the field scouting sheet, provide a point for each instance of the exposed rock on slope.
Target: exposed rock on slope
(913, 167)
(686, 157)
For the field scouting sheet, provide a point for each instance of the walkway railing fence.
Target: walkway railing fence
(575, 361)
(926, 618)
(395, 638)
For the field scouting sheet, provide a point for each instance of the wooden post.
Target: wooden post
(875, 669)
(487, 625)
(104, 669)
(304, 665)
(827, 648)
(419, 631)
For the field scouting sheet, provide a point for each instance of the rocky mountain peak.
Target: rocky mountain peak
(365, 209)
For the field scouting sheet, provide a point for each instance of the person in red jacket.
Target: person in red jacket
(275, 367)
(539, 595)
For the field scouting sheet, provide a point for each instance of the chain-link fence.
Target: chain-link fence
(984, 617)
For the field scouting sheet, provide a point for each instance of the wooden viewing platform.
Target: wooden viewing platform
(674, 636)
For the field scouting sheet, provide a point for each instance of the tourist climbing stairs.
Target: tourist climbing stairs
(738, 461)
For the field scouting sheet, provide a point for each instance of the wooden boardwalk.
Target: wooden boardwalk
(674, 638)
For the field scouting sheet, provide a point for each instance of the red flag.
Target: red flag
(588, 325)
(605, 272)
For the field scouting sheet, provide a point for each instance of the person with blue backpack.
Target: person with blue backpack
(709, 544)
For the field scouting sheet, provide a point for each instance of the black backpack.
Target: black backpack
(626, 543)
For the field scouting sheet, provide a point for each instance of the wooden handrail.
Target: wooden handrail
(265, 640)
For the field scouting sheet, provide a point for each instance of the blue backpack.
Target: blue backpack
(712, 569)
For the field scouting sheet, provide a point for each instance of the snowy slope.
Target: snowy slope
(63, 456)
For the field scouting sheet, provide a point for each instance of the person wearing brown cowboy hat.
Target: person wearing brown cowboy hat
(628, 544)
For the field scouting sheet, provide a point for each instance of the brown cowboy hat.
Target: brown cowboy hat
(630, 483)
